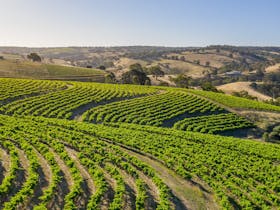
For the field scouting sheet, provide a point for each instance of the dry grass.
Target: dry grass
(240, 86)
(28, 69)
(10, 56)
(165, 79)
(181, 67)
(126, 62)
(274, 68)
(20, 68)
(261, 118)
(215, 60)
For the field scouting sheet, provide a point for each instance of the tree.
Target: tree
(207, 63)
(156, 71)
(135, 75)
(102, 67)
(182, 58)
(259, 74)
(197, 62)
(34, 57)
(215, 71)
(110, 78)
(182, 81)
(254, 85)
(275, 134)
(1, 57)
(136, 66)
(208, 87)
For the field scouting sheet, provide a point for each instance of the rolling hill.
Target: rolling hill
(245, 86)
(20, 68)
(196, 62)
(79, 145)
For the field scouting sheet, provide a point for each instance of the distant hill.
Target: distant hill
(18, 68)
(201, 63)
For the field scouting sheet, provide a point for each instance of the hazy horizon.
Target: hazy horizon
(176, 23)
(103, 46)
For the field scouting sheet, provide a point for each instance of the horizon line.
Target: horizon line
(112, 46)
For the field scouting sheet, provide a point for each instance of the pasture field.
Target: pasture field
(17, 68)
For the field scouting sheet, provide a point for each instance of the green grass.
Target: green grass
(56, 70)
(236, 102)
(28, 69)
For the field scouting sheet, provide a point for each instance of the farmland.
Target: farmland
(74, 145)
(19, 68)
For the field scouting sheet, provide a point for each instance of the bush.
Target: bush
(34, 57)
(135, 75)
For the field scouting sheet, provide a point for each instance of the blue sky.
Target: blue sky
(37, 23)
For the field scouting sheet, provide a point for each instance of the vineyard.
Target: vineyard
(235, 102)
(213, 123)
(19, 68)
(60, 104)
(12, 89)
(151, 110)
(243, 174)
(73, 145)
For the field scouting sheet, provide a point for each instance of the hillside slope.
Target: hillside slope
(197, 62)
(18, 68)
(139, 147)
(243, 86)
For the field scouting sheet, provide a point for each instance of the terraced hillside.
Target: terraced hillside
(77, 96)
(122, 157)
(152, 110)
(157, 106)
(13, 89)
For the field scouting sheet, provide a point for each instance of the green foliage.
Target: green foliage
(208, 87)
(34, 57)
(238, 171)
(274, 135)
(110, 78)
(102, 67)
(61, 103)
(213, 123)
(244, 94)
(156, 71)
(235, 102)
(67, 71)
(6, 185)
(221, 162)
(151, 110)
(271, 89)
(135, 75)
(95, 154)
(182, 81)
(12, 89)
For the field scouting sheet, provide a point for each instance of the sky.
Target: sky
(53, 23)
